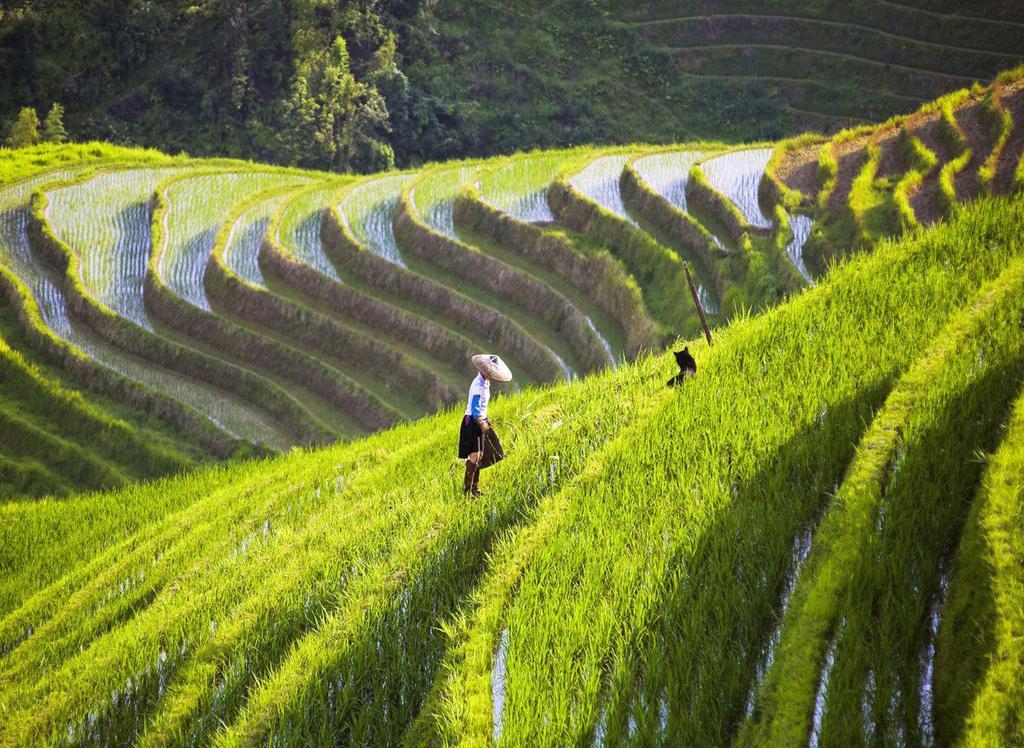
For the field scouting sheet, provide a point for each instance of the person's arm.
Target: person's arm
(474, 409)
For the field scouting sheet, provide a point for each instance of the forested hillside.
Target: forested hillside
(357, 86)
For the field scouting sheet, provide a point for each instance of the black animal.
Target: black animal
(687, 367)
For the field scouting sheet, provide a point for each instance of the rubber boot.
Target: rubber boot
(476, 481)
(472, 473)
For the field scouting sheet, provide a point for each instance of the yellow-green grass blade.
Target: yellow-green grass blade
(979, 655)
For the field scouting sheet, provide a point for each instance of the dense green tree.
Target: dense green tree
(25, 130)
(53, 125)
(423, 128)
(432, 80)
(331, 119)
(369, 149)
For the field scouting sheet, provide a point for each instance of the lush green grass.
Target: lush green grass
(19, 163)
(629, 551)
(870, 592)
(979, 656)
(674, 548)
(74, 529)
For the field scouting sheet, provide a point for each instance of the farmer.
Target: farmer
(475, 424)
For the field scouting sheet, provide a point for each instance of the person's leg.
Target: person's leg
(469, 485)
(476, 474)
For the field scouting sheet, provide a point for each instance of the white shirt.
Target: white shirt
(479, 388)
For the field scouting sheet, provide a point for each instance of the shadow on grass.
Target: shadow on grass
(688, 679)
(667, 690)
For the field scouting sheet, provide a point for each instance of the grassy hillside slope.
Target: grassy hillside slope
(638, 544)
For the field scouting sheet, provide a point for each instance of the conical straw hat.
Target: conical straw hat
(492, 367)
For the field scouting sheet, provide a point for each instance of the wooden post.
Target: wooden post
(696, 302)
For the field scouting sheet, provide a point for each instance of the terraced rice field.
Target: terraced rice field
(737, 176)
(599, 180)
(196, 208)
(631, 532)
(664, 172)
(368, 210)
(433, 196)
(242, 249)
(299, 230)
(519, 188)
(801, 226)
(668, 173)
(815, 540)
(323, 356)
(106, 221)
(15, 212)
(824, 65)
(233, 416)
(14, 243)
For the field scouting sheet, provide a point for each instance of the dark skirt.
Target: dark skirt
(473, 439)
